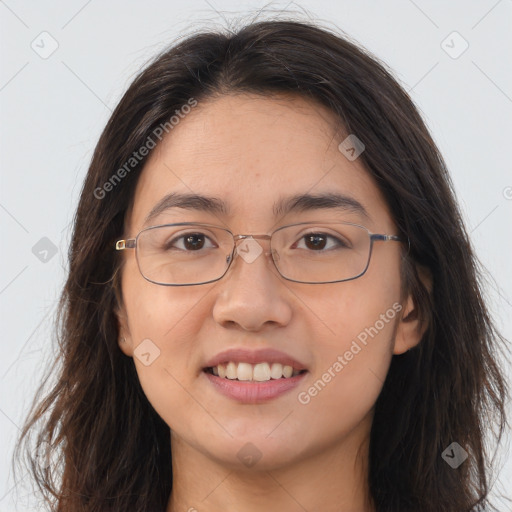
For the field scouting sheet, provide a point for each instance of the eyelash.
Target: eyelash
(338, 241)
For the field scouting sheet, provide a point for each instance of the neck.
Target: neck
(332, 479)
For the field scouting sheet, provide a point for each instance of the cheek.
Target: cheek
(165, 314)
(347, 379)
(362, 310)
(354, 331)
(164, 324)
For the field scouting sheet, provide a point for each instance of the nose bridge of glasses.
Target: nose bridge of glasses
(244, 237)
(240, 239)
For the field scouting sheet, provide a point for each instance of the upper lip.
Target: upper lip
(243, 355)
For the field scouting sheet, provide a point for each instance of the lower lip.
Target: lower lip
(251, 392)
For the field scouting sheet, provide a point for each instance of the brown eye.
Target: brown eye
(320, 241)
(315, 241)
(190, 242)
(194, 242)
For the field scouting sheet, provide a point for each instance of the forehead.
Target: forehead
(252, 152)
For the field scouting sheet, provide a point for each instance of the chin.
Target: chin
(255, 453)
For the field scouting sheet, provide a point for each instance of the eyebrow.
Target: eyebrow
(189, 202)
(285, 205)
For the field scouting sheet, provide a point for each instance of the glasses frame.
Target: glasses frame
(131, 243)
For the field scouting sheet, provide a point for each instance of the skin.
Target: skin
(249, 151)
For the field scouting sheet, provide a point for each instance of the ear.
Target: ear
(124, 341)
(409, 329)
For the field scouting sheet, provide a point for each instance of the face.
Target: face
(252, 152)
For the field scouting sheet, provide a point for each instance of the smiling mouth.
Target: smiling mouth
(259, 372)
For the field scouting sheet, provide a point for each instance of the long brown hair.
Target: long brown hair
(114, 449)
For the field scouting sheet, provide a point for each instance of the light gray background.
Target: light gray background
(53, 110)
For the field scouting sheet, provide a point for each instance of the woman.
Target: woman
(272, 302)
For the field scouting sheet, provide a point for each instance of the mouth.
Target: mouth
(253, 383)
(253, 376)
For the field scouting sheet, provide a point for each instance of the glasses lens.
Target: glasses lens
(320, 253)
(183, 254)
(309, 253)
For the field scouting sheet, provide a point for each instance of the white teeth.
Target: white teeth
(287, 371)
(276, 371)
(244, 371)
(259, 372)
(231, 372)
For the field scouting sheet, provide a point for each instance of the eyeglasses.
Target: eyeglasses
(190, 253)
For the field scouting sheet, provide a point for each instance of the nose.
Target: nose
(252, 295)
